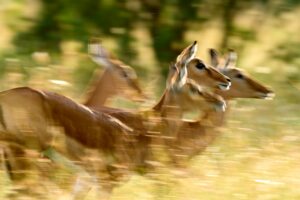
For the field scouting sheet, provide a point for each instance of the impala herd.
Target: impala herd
(124, 139)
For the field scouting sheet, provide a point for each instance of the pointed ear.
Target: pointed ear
(182, 77)
(173, 73)
(231, 58)
(214, 57)
(177, 78)
(187, 54)
(99, 54)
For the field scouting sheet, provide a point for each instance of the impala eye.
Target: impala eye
(129, 73)
(200, 65)
(240, 76)
(125, 75)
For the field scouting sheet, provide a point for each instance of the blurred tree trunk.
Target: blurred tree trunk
(229, 14)
(169, 22)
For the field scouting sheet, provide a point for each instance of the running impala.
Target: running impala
(194, 136)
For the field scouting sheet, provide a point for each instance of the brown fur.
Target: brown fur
(137, 121)
(171, 103)
(93, 129)
(117, 78)
(193, 137)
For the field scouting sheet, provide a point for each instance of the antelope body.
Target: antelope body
(189, 96)
(95, 129)
(42, 109)
(173, 100)
(91, 128)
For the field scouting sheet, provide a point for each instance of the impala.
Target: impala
(194, 68)
(194, 136)
(97, 130)
(37, 111)
(171, 100)
(118, 76)
(188, 92)
(117, 79)
(42, 109)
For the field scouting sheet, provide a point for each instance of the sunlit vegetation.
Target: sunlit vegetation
(43, 44)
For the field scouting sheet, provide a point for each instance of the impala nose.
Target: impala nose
(224, 86)
(270, 95)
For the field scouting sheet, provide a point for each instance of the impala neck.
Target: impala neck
(164, 106)
(159, 104)
(170, 113)
(227, 95)
(103, 89)
(167, 106)
(216, 119)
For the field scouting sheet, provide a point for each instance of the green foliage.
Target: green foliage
(167, 22)
(83, 74)
(288, 52)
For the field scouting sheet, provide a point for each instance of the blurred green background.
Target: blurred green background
(43, 44)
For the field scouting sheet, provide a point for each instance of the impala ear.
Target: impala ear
(231, 58)
(182, 77)
(214, 57)
(187, 54)
(178, 78)
(173, 73)
(99, 54)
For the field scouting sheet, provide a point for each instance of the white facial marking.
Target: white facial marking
(224, 86)
(220, 107)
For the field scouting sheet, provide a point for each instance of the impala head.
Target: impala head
(123, 77)
(243, 86)
(190, 95)
(197, 70)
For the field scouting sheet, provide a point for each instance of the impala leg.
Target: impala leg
(5, 165)
(74, 149)
(84, 181)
